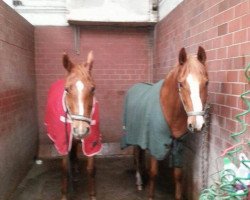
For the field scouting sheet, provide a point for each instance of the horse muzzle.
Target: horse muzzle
(80, 126)
(195, 123)
(80, 131)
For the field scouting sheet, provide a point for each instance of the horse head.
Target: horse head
(193, 87)
(79, 95)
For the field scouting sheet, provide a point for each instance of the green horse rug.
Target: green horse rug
(144, 124)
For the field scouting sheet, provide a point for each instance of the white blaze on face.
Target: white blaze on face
(80, 87)
(196, 100)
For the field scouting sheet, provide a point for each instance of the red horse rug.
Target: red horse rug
(58, 124)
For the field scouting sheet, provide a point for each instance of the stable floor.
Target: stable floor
(114, 181)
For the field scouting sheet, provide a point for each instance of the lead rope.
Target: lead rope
(204, 147)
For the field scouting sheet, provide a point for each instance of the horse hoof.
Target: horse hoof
(139, 188)
(150, 199)
(92, 198)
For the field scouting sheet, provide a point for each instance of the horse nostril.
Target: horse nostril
(86, 130)
(75, 130)
(203, 125)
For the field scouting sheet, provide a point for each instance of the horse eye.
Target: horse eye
(92, 89)
(67, 90)
(180, 85)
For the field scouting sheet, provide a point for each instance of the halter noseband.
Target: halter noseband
(190, 113)
(72, 116)
(79, 117)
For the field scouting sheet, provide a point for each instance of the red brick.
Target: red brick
(220, 99)
(231, 125)
(221, 76)
(240, 36)
(239, 62)
(248, 34)
(233, 51)
(241, 9)
(225, 111)
(231, 101)
(214, 87)
(224, 17)
(226, 88)
(245, 21)
(223, 29)
(224, 5)
(238, 88)
(211, 54)
(227, 40)
(245, 48)
(232, 76)
(221, 53)
(217, 42)
(241, 77)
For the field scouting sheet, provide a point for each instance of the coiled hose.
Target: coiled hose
(225, 188)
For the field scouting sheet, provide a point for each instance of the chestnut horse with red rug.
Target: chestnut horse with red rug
(72, 115)
(158, 116)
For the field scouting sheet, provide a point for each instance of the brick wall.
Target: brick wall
(18, 125)
(122, 58)
(222, 27)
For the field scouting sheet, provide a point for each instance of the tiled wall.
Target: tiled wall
(121, 58)
(223, 29)
(18, 123)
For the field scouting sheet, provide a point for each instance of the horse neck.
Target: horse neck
(172, 106)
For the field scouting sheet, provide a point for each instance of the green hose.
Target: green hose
(223, 188)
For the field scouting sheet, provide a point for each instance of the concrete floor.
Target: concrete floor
(114, 179)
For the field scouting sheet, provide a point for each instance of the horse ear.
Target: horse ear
(201, 55)
(68, 65)
(182, 56)
(90, 60)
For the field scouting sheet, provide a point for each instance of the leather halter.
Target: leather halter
(73, 116)
(189, 113)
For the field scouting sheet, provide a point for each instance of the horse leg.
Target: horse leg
(64, 186)
(152, 176)
(74, 159)
(178, 183)
(139, 156)
(91, 177)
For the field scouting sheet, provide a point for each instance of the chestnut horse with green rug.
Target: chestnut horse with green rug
(158, 116)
